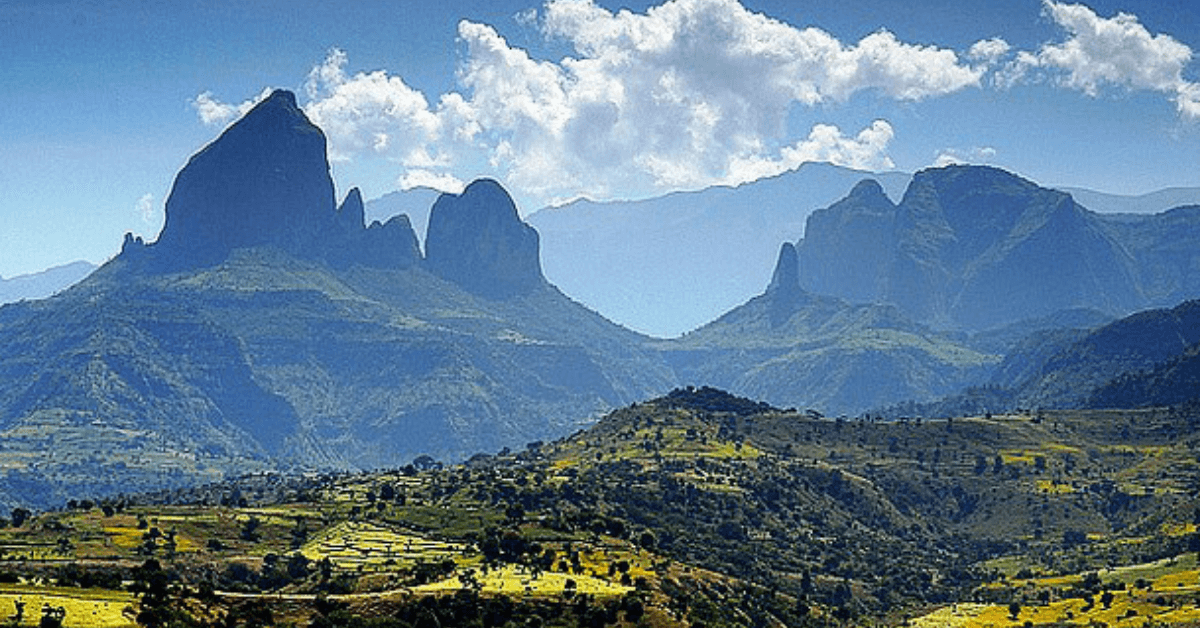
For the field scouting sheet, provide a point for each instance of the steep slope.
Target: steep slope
(667, 265)
(1123, 348)
(1170, 383)
(969, 247)
(268, 324)
(1165, 249)
(793, 348)
(1146, 359)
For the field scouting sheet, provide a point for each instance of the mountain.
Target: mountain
(667, 265)
(1164, 249)
(1147, 359)
(268, 328)
(43, 284)
(790, 347)
(1122, 349)
(414, 203)
(973, 248)
(1151, 203)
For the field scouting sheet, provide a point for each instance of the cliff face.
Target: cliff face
(477, 240)
(264, 181)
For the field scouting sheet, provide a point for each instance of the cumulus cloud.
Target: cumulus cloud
(213, 112)
(440, 181)
(989, 50)
(1109, 52)
(370, 112)
(687, 94)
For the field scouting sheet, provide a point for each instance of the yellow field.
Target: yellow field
(353, 545)
(89, 608)
(516, 580)
(1176, 581)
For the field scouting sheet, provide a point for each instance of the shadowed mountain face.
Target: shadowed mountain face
(264, 181)
(969, 247)
(477, 240)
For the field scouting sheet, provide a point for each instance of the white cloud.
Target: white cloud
(826, 143)
(213, 112)
(370, 112)
(973, 155)
(688, 94)
(442, 182)
(1117, 51)
(989, 50)
(145, 207)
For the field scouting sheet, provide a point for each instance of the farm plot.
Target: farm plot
(92, 608)
(366, 547)
(520, 580)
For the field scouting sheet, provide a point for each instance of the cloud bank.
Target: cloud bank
(689, 94)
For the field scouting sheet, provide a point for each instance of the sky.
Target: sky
(102, 102)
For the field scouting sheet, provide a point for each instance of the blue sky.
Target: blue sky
(101, 103)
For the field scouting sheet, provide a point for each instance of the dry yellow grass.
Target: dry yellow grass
(88, 608)
(516, 580)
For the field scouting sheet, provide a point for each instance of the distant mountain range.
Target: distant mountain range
(667, 265)
(43, 284)
(972, 248)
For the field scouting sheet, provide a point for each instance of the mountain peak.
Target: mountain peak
(786, 278)
(477, 240)
(867, 189)
(264, 181)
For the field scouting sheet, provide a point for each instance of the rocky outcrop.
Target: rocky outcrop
(264, 181)
(477, 240)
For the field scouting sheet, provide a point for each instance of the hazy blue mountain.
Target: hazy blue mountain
(1151, 358)
(1165, 250)
(790, 347)
(1152, 203)
(269, 327)
(970, 247)
(414, 203)
(667, 265)
(43, 284)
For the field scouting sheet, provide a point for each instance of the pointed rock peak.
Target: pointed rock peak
(477, 240)
(264, 181)
(786, 278)
(351, 216)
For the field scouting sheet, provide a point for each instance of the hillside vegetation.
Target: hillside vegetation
(697, 508)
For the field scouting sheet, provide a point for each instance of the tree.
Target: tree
(20, 516)
(1106, 599)
(250, 529)
(1014, 610)
(52, 616)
